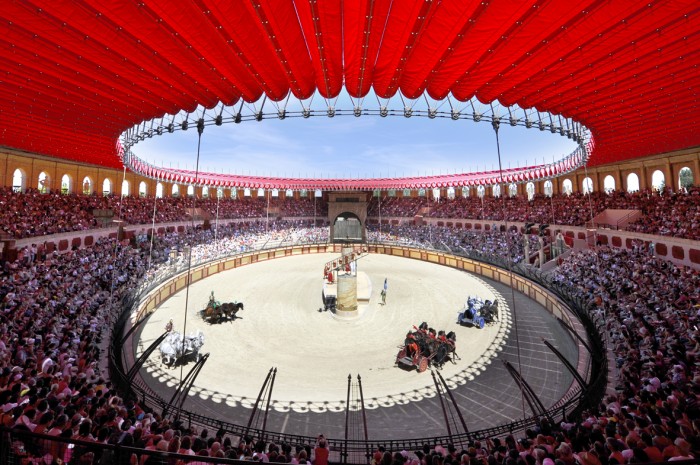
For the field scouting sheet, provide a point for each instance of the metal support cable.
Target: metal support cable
(200, 130)
(509, 264)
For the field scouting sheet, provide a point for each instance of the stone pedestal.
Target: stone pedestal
(346, 303)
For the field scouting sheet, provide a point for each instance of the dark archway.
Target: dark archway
(347, 227)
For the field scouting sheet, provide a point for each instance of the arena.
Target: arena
(312, 376)
(531, 313)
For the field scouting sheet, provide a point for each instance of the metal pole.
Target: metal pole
(454, 402)
(442, 404)
(267, 211)
(364, 416)
(380, 214)
(269, 398)
(257, 401)
(153, 227)
(347, 419)
(216, 223)
(496, 123)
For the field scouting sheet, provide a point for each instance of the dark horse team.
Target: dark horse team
(424, 346)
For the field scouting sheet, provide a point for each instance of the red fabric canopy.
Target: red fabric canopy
(77, 74)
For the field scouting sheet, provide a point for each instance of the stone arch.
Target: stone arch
(530, 189)
(66, 184)
(567, 186)
(512, 190)
(347, 226)
(44, 183)
(19, 180)
(143, 189)
(609, 184)
(685, 178)
(658, 180)
(548, 188)
(496, 190)
(88, 185)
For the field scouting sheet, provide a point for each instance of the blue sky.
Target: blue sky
(349, 147)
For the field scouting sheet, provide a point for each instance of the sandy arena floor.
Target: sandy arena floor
(314, 352)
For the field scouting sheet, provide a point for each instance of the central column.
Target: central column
(346, 303)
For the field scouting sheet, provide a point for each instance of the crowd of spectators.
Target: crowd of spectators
(57, 310)
(668, 213)
(396, 206)
(35, 214)
(32, 213)
(493, 243)
(672, 214)
(305, 207)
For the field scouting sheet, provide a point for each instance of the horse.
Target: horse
(175, 348)
(490, 311)
(217, 313)
(446, 349)
(230, 309)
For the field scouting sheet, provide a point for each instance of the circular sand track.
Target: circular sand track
(314, 351)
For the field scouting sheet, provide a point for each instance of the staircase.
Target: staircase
(341, 263)
(615, 218)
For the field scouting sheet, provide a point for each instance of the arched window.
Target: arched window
(143, 189)
(496, 190)
(609, 184)
(220, 193)
(436, 194)
(421, 192)
(205, 192)
(289, 194)
(450, 192)
(261, 192)
(465, 192)
(658, 180)
(318, 193)
(548, 188)
(275, 192)
(66, 184)
(587, 185)
(190, 191)
(246, 192)
(303, 193)
(106, 187)
(175, 191)
(87, 185)
(159, 190)
(407, 192)
(512, 190)
(632, 182)
(126, 188)
(392, 193)
(19, 181)
(234, 193)
(44, 185)
(567, 186)
(685, 178)
(530, 189)
(480, 192)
